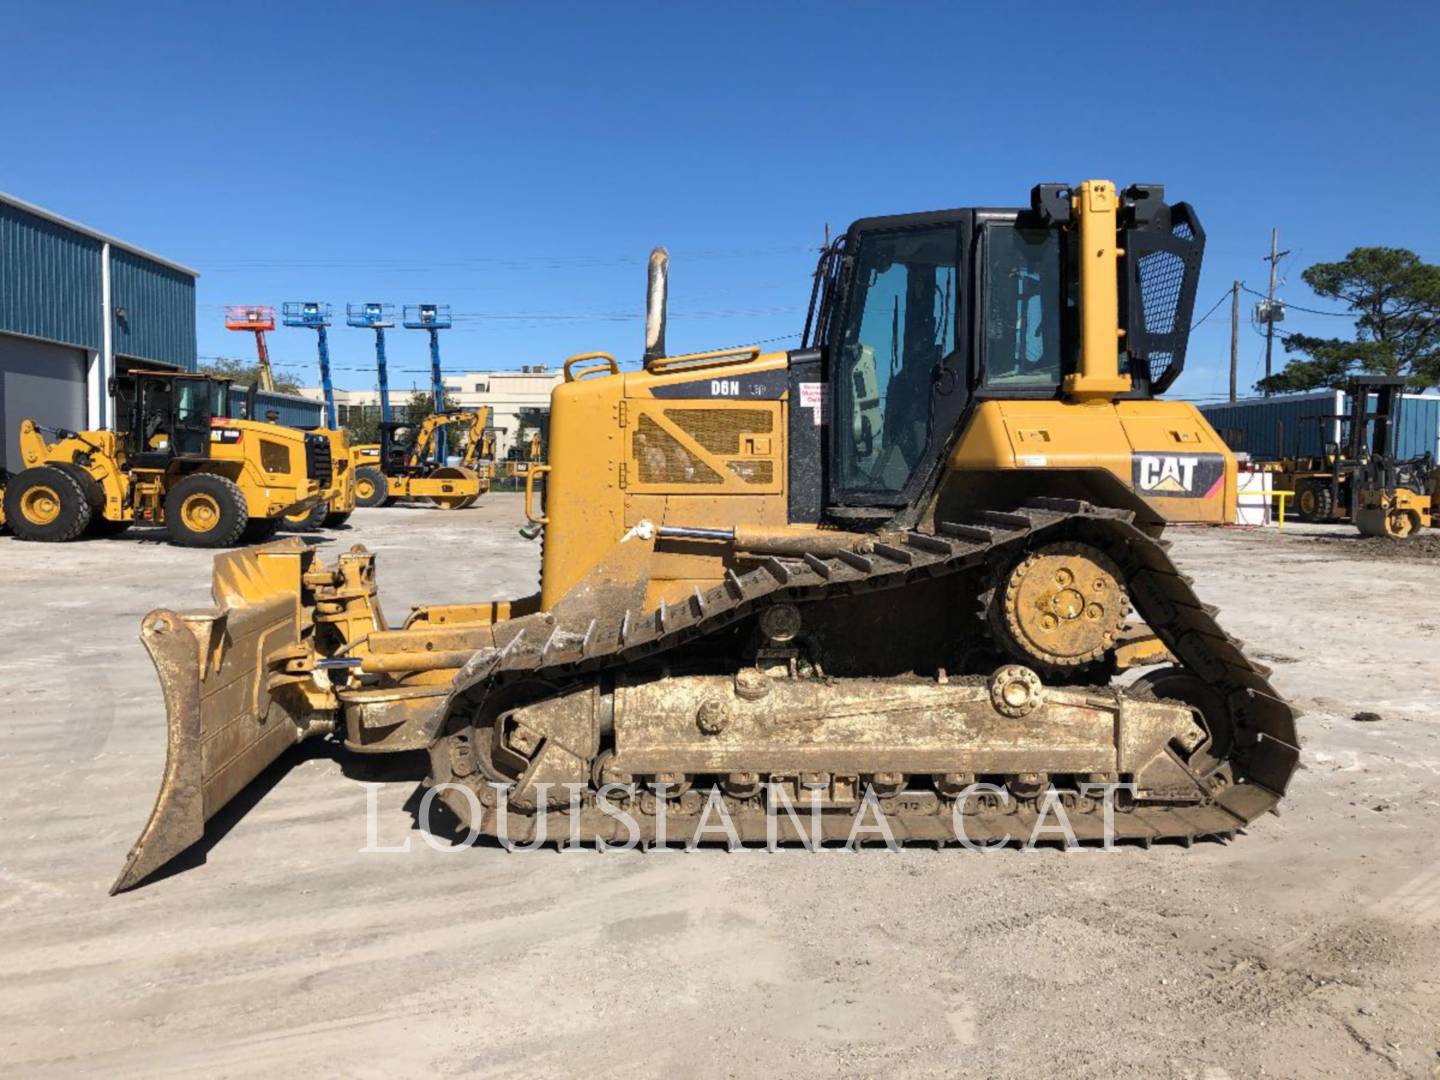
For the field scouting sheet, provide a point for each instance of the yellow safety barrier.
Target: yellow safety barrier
(1282, 496)
(1260, 498)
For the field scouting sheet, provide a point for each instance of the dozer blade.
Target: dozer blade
(229, 707)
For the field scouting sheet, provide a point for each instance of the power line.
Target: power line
(1197, 322)
(1297, 307)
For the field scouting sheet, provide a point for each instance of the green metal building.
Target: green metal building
(77, 306)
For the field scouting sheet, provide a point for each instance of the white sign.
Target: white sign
(812, 397)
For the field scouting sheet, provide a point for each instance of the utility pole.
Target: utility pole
(1270, 308)
(1234, 337)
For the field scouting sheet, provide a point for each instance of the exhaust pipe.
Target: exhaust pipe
(655, 300)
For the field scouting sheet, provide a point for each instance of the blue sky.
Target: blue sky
(518, 161)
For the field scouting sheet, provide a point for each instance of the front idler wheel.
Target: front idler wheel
(1208, 704)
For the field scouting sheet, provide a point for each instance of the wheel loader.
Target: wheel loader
(337, 500)
(903, 566)
(174, 458)
(528, 452)
(389, 471)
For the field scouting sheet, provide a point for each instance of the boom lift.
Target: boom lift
(898, 566)
(378, 317)
(258, 319)
(175, 458)
(432, 318)
(314, 315)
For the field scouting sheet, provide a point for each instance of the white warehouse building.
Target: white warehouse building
(506, 392)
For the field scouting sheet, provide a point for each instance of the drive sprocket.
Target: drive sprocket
(1060, 606)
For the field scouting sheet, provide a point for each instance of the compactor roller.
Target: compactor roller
(897, 569)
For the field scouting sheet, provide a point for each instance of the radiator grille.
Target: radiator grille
(661, 459)
(719, 430)
(753, 470)
(318, 461)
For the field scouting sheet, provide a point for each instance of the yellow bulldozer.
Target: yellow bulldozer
(174, 458)
(897, 567)
(391, 471)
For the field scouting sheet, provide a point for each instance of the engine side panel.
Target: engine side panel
(1163, 453)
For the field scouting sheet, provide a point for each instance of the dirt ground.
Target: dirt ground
(1307, 946)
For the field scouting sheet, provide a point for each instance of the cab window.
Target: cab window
(898, 333)
(192, 416)
(1023, 307)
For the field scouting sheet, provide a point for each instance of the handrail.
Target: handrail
(702, 359)
(610, 365)
(535, 470)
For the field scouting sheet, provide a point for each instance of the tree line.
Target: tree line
(1394, 296)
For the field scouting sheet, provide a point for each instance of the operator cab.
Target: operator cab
(164, 415)
(915, 317)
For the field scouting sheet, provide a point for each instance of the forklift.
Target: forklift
(1358, 477)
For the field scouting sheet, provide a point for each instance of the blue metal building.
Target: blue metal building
(1296, 425)
(291, 410)
(76, 306)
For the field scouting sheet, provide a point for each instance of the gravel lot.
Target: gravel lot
(1308, 946)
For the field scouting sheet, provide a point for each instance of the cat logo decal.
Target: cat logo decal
(1179, 476)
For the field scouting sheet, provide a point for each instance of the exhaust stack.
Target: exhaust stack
(655, 301)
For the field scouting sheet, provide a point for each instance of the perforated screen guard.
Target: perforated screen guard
(1164, 246)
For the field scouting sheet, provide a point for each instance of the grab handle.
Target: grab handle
(608, 365)
(535, 470)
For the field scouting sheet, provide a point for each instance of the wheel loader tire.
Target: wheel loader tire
(307, 520)
(94, 493)
(1313, 503)
(100, 526)
(336, 518)
(370, 487)
(259, 530)
(46, 504)
(206, 510)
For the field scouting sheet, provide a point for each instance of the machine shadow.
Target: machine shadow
(233, 812)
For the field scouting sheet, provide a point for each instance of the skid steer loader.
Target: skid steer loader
(389, 472)
(901, 564)
(174, 458)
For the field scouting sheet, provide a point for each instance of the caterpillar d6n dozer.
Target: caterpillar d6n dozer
(903, 560)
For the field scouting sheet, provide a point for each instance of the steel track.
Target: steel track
(1263, 754)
